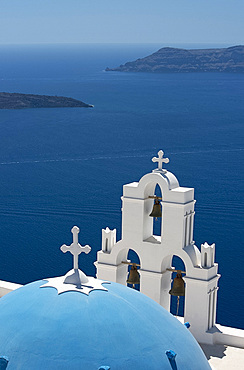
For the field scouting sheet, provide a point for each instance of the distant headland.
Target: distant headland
(21, 101)
(172, 60)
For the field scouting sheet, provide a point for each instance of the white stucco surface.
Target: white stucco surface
(221, 357)
(6, 287)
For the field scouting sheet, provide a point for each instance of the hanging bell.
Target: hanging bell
(134, 277)
(178, 288)
(156, 211)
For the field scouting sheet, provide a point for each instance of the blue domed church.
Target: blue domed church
(75, 322)
(80, 322)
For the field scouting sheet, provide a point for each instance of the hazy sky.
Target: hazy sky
(117, 21)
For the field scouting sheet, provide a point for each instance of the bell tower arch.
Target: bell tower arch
(156, 251)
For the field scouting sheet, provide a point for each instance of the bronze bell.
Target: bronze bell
(134, 277)
(178, 288)
(156, 211)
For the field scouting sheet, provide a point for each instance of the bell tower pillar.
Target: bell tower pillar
(161, 283)
(202, 287)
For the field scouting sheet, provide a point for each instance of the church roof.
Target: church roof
(120, 328)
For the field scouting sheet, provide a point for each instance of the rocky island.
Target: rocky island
(174, 60)
(20, 101)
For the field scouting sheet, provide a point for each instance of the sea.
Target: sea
(62, 167)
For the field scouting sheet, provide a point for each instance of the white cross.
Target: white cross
(75, 248)
(160, 160)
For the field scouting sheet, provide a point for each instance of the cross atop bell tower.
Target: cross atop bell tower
(160, 160)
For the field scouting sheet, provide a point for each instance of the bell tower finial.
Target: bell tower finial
(160, 160)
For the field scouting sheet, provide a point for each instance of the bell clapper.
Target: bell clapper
(178, 304)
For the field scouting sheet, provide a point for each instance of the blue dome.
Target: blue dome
(120, 328)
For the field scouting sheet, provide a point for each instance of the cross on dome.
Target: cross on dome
(75, 280)
(160, 160)
(75, 248)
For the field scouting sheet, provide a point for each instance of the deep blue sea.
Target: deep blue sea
(65, 167)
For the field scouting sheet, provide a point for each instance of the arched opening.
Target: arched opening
(152, 226)
(157, 221)
(106, 245)
(134, 258)
(177, 305)
(205, 259)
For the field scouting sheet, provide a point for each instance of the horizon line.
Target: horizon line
(123, 43)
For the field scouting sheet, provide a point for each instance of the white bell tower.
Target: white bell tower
(156, 251)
